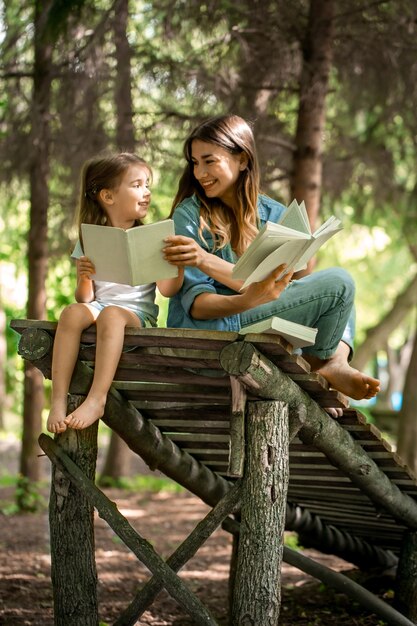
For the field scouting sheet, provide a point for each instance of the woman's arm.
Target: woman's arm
(84, 291)
(170, 286)
(184, 251)
(208, 306)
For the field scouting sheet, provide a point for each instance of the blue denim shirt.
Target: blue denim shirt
(187, 222)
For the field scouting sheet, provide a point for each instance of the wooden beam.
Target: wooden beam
(237, 429)
(130, 537)
(204, 529)
(257, 588)
(71, 522)
(266, 380)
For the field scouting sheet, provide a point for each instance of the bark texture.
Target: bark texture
(317, 49)
(406, 595)
(257, 595)
(38, 234)
(73, 567)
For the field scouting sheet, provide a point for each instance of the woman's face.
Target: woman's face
(217, 170)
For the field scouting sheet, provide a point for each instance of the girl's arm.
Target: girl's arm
(84, 291)
(208, 306)
(184, 251)
(170, 286)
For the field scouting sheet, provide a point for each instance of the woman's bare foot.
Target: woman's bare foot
(86, 414)
(335, 412)
(342, 377)
(56, 417)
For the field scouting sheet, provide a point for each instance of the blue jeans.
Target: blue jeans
(323, 300)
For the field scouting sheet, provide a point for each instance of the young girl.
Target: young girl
(114, 192)
(219, 205)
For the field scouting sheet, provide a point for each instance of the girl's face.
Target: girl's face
(217, 170)
(130, 200)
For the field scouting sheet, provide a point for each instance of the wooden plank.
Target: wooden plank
(210, 439)
(170, 429)
(203, 424)
(139, 358)
(170, 375)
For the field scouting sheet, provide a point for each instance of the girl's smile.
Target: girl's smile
(130, 200)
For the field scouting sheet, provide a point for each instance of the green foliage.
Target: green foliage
(28, 496)
(140, 483)
(183, 71)
(291, 541)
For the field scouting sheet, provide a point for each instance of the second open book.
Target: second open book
(130, 257)
(290, 241)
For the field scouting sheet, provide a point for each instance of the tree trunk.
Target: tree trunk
(118, 461)
(3, 359)
(407, 431)
(119, 457)
(257, 593)
(38, 235)
(317, 60)
(377, 336)
(125, 136)
(71, 521)
(406, 592)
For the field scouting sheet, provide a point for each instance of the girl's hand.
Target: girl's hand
(85, 268)
(268, 289)
(182, 251)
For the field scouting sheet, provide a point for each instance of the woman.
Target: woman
(218, 205)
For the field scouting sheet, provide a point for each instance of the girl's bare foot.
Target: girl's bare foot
(86, 414)
(56, 417)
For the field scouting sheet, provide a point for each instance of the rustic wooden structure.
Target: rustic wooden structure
(229, 418)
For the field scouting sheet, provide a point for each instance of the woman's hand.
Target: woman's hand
(182, 251)
(268, 289)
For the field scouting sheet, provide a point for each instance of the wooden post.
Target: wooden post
(237, 429)
(406, 593)
(257, 595)
(73, 571)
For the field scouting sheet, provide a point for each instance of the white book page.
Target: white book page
(287, 253)
(253, 258)
(314, 245)
(106, 247)
(332, 223)
(296, 217)
(271, 237)
(145, 249)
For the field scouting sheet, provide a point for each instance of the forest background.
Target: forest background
(330, 87)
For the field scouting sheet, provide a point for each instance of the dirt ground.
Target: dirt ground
(165, 519)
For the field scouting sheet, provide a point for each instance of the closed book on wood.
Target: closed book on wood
(130, 257)
(298, 335)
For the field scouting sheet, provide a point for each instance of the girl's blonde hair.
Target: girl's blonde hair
(104, 171)
(232, 133)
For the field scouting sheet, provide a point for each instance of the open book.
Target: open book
(297, 334)
(290, 241)
(131, 257)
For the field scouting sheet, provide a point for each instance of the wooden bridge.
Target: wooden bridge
(239, 422)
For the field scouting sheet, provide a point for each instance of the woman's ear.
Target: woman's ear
(244, 160)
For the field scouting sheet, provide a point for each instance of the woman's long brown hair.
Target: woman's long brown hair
(240, 226)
